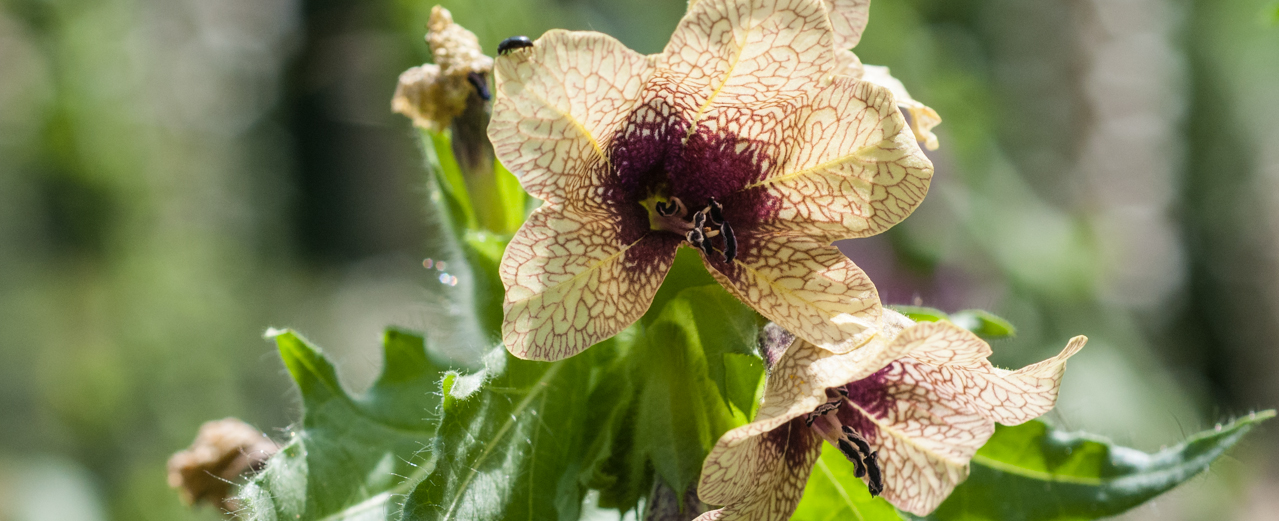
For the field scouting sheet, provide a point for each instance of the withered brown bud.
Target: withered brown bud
(222, 451)
(433, 94)
(665, 504)
(773, 342)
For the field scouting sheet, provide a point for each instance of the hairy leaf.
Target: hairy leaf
(353, 457)
(510, 442)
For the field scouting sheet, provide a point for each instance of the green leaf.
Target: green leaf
(1270, 14)
(687, 271)
(515, 203)
(921, 313)
(1033, 472)
(681, 414)
(353, 457)
(719, 325)
(677, 373)
(483, 253)
(509, 442)
(438, 149)
(984, 323)
(834, 492)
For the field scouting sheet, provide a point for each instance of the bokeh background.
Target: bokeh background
(178, 175)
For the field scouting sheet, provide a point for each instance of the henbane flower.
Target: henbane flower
(739, 140)
(908, 410)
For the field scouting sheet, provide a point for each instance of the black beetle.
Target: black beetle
(512, 43)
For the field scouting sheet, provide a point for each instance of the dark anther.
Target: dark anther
(850, 452)
(665, 208)
(858, 439)
(730, 242)
(513, 43)
(876, 481)
(695, 237)
(480, 83)
(717, 212)
(705, 246)
(842, 391)
(699, 220)
(821, 410)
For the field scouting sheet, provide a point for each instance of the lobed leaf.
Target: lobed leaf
(353, 457)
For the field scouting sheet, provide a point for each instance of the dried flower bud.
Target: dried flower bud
(222, 451)
(666, 505)
(433, 94)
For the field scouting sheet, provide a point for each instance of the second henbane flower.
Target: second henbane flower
(739, 140)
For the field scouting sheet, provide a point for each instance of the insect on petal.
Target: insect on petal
(558, 105)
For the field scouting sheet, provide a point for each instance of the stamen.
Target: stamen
(850, 443)
(708, 222)
(673, 207)
(717, 212)
(730, 242)
(858, 439)
(705, 246)
(875, 481)
(696, 238)
(821, 410)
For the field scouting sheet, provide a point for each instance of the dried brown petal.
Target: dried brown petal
(433, 94)
(222, 451)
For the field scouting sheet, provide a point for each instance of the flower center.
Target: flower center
(705, 230)
(825, 421)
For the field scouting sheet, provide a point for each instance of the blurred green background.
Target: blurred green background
(178, 175)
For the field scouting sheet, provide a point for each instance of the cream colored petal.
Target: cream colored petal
(1008, 397)
(929, 411)
(757, 474)
(848, 64)
(802, 372)
(745, 53)
(853, 168)
(847, 18)
(571, 281)
(922, 118)
(924, 434)
(806, 286)
(1025, 394)
(557, 105)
